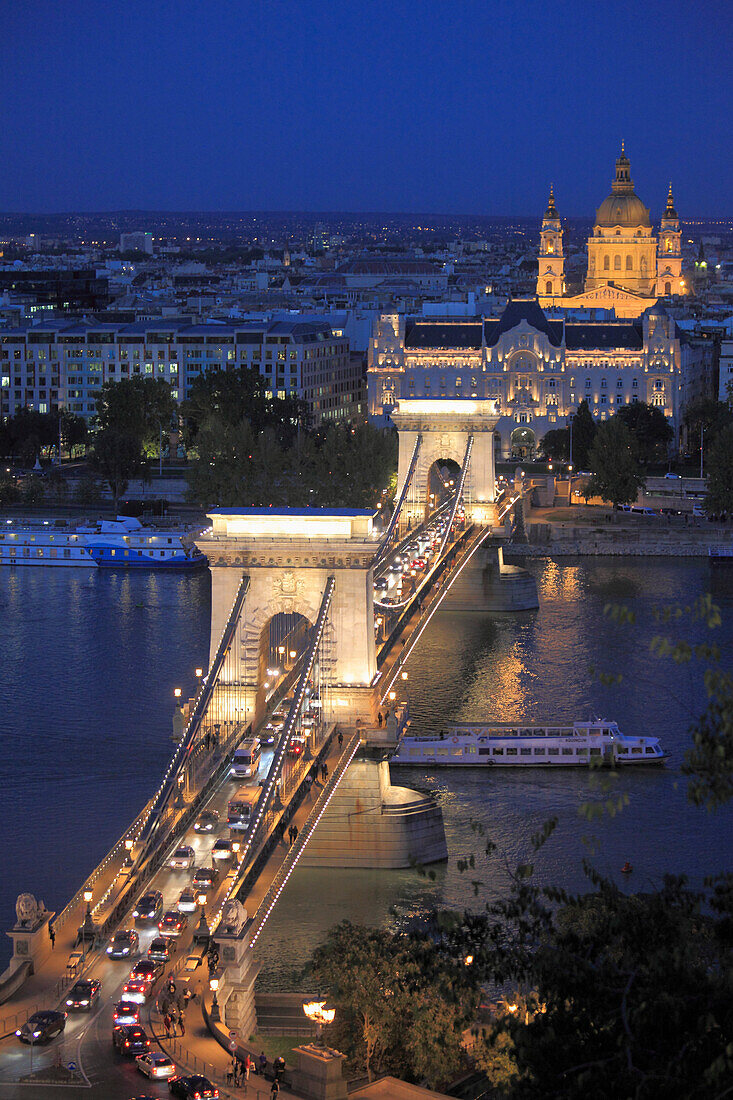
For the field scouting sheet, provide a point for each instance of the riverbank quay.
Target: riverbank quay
(594, 530)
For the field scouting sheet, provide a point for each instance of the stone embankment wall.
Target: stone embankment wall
(370, 823)
(552, 540)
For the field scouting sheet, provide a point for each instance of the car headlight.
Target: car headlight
(19, 1033)
(69, 1002)
(36, 1034)
(135, 913)
(109, 950)
(125, 950)
(81, 1002)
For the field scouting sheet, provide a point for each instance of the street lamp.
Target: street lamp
(177, 693)
(235, 848)
(128, 849)
(202, 933)
(88, 929)
(318, 1014)
(214, 986)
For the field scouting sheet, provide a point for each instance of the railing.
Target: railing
(295, 851)
(278, 759)
(392, 526)
(184, 748)
(10, 1023)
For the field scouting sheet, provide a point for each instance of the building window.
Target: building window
(548, 287)
(606, 263)
(616, 263)
(629, 263)
(668, 289)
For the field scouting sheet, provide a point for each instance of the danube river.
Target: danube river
(90, 659)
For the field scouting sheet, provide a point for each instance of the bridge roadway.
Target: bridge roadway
(87, 1039)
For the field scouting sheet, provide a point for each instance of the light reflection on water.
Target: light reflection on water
(535, 666)
(89, 661)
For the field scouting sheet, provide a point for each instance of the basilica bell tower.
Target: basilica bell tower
(669, 252)
(551, 266)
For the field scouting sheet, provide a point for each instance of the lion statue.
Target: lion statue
(27, 910)
(233, 917)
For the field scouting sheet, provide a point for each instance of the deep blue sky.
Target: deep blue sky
(444, 106)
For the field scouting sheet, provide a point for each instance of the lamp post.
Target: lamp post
(202, 933)
(128, 857)
(88, 928)
(214, 987)
(318, 1014)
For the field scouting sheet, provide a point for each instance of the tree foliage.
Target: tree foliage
(138, 408)
(340, 466)
(616, 472)
(402, 1001)
(649, 428)
(719, 496)
(556, 444)
(584, 432)
(229, 397)
(118, 458)
(710, 415)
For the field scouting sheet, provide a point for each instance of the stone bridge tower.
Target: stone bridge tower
(288, 556)
(446, 426)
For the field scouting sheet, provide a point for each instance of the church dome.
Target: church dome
(623, 207)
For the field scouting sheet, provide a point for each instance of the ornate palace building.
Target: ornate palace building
(628, 267)
(534, 370)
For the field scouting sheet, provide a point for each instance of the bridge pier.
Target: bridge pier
(487, 584)
(370, 823)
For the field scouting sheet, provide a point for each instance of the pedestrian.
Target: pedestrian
(340, 738)
(291, 837)
(325, 772)
(181, 1023)
(235, 1071)
(279, 1067)
(275, 1090)
(263, 1063)
(248, 1063)
(380, 719)
(295, 834)
(52, 934)
(207, 740)
(167, 1021)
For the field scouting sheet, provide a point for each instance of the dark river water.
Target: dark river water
(89, 661)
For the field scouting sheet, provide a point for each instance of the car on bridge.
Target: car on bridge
(42, 1027)
(156, 1064)
(173, 923)
(161, 949)
(183, 858)
(126, 1012)
(193, 1087)
(136, 990)
(223, 848)
(204, 878)
(83, 995)
(207, 822)
(130, 1039)
(124, 944)
(381, 584)
(147, 970)
(187, 901)
(149, 907)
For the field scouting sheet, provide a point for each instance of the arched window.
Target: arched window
(616, 263)
(668, 245)
(629, 263)
(668, 289)
(548, 287)
(606, 263)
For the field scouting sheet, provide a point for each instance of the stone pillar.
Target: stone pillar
(31, 940)
(319, 1073)
(487, 584)
(236, 994)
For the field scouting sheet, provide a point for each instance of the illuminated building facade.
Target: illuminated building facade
(628, 266)
(533, 370)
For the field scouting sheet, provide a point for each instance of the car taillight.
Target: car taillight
(127, 1042)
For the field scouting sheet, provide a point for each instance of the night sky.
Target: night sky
(428, 106)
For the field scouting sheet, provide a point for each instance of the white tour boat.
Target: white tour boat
(506, 745)
(122, 543)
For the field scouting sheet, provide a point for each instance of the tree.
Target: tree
(616, 472)
(402, 1001)
(719, 496)
(236, 395)
(73, 431)
(584, 431)
(138, 407)
(709, 415)
(556, 444)
(118, 458)
(650, 429)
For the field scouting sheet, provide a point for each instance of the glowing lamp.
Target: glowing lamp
(177, 692)
(87, 896)
(318, 1014)
(201, 899)
(293, 654)
(403, 675)
(281, 649)
(468, 960)
(199, 672)
(392, 696)
(213, 984)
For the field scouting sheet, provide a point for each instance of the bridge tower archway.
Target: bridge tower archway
(445, 427)
(288, 556)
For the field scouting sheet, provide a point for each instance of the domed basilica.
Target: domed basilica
(629, 268)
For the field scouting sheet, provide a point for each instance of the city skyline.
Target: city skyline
(469, 111)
